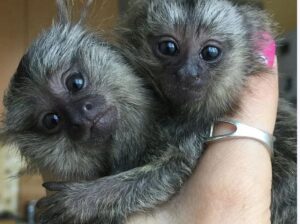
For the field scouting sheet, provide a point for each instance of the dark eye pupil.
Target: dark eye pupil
(168, 48)
(51, 121)
(210, 53)
(75, 82)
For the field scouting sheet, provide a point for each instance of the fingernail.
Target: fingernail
(266, 47)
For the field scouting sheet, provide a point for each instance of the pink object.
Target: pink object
(266, 47)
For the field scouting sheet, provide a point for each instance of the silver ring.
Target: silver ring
(243, 131)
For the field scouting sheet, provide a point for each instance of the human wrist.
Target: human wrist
(239, 165)
(232, 186)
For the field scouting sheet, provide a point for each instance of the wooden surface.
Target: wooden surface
(284, 12)
(7, 222)
(12, 38)
(30, 189)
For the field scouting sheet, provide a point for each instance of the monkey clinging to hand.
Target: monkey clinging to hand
(197, 55)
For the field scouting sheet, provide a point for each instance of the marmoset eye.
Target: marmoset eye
(168, 47)
(75, 82)
(211, 53)
(51, 121)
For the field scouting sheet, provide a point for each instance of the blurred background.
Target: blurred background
(22, 20)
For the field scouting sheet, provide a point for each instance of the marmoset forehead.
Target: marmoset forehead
(62, 50)
(54, 47)
(211, 16)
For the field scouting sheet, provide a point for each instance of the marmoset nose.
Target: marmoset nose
(88, 106)
(191, 70)
(86, 109)
(82, 115)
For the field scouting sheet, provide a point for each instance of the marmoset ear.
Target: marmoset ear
(84, 11)
(261, 34)
(64, 11)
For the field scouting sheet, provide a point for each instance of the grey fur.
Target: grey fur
(284, 163)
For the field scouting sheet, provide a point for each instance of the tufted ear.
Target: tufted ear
(261, 34)
(84, 11)
(64, 11)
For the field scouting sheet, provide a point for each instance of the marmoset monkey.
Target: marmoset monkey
(71, 103)
(197, 56)
(197, 60)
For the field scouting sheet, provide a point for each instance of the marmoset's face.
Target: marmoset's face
(71, 96)
(196, 51)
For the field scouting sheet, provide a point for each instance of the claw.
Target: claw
(54, 186)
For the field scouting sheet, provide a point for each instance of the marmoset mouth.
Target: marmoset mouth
(106, 116)
(105, 122)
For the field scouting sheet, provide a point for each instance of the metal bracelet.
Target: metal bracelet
(243, 131)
